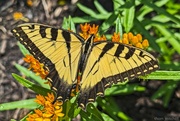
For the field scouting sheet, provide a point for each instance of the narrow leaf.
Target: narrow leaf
(30, 85)
(28, 104)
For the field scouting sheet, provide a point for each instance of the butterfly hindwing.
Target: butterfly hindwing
(58, 49)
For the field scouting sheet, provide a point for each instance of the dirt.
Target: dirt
(138, 106)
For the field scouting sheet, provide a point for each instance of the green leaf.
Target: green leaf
(139, 27)
(128, 18)
(166, 91)
(91, 113)
(100, 8)
(72, 109)
(30, 85)
(65, 23)
(94, 111)
(23, 50)
(92, 14)
(28, 104)
(124, 89)
(109, 22)
(86, 10)
(83, 19)
(106, 117)
(32, 75)
(118, 3)
(160, 10)
(71, 23)
(85, 116)
(168, 34)
(169, 93)
(145, 10)
(68, 24)
(170, 66)
(118, 28)
(163, 75)
(112, 109)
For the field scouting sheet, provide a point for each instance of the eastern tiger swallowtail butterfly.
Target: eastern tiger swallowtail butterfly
(66, 54)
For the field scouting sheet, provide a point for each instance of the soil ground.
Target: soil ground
(138, 106)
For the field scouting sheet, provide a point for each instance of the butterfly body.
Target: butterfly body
(66, 55)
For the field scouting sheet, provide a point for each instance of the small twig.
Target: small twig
(3, 29)
(15, 115)
(2, 67)
(45, 6)
(3, 46)
(8, 4)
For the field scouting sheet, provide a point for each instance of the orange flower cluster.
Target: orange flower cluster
(89, 30)
(130, 39)
(51, 111)
(17, 16)
(29, 3)
(36, 66)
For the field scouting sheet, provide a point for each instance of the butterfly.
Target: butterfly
(66, 55)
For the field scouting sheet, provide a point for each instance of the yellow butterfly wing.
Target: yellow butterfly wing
(58, 49)
(110, 63)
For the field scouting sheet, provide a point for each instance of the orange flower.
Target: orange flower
(125, 41)
(134, 40)
(28, 58)
(52, 110)
(99, 38)
(40, 99)
(88, 30)
(85, 27)
(50, 97)
(17, 15)
(84, 35)
(116, 37)
(145, 43)
(37, 67)
(57, 111)
(139, 36)
(125, 35)
(128, 38)
(130, 35)
(29, 3)
(139, 45)
(93, 29)
(38, 116)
